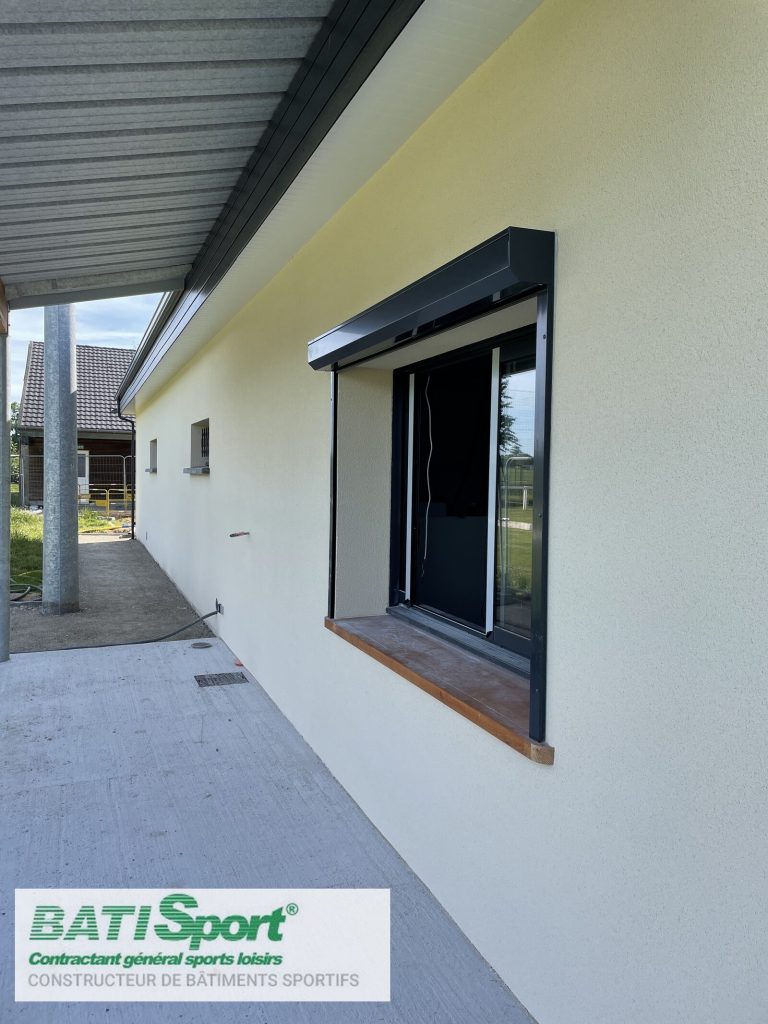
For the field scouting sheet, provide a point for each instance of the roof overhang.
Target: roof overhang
(143, 144)
(441, 46)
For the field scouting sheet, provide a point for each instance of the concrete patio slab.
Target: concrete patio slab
(117, 769)
(125, 597)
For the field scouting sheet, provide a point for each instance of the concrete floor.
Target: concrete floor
(124, 597)
(116, 769)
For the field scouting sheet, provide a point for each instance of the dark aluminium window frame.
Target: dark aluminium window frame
(515, 344)
(199, 448)
(518, 263)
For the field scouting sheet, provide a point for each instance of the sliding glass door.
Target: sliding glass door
(515, 501)
(471, 489)
(450, 487)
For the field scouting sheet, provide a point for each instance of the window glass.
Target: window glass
(514, 519)
(450, 501)
(200, 449)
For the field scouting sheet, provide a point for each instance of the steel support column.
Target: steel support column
(5, 498)
(60, 569)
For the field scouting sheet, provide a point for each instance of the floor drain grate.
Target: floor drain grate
(221, 679)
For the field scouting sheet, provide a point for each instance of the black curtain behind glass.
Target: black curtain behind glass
(451, 456)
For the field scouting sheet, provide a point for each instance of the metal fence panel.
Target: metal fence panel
(105, 482)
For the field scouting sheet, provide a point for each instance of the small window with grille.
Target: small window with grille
(200, 449)
(152, 456)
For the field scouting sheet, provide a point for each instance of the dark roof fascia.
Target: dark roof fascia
(516, 262)
(356, 35)
(161, 315)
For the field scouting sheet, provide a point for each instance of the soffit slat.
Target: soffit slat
(99, 169)
(38, 11)
(61, 117)
(95, 270)
(165, 141)
(54, 192)
(97, 229)
(201, 80)
(75, 212)
(90, 45)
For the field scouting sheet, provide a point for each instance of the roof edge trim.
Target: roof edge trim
(357, 35)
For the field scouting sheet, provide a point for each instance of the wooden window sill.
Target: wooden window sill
(489, 695)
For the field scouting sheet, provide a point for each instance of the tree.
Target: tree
(14, 428)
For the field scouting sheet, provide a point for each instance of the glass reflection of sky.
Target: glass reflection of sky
(518, 401)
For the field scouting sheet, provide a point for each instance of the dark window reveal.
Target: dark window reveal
(200, 445)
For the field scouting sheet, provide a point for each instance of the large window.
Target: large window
(439, 482)
(467, 477)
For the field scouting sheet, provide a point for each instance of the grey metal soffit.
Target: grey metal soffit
(353, 38)
(124, 127)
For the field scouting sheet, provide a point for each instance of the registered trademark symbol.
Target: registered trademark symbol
(291, 909)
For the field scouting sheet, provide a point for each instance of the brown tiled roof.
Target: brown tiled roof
(99, 373)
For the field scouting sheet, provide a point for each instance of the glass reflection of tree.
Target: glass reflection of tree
(508, 440)
(513, 570)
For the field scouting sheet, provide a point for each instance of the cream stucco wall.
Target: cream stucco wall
(627, 882)
(364, 490)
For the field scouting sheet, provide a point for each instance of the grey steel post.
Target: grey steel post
(5, 505)
(61, 587)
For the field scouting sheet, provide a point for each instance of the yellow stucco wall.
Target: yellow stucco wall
(627, 883)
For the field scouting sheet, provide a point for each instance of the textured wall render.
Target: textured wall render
(628, 882)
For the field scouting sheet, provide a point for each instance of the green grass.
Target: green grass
(27, 541)
(14, 494)
(519, 515)
(26, 547)
(516, 555)
(91, 521)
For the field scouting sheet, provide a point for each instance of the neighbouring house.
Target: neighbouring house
(103, 439)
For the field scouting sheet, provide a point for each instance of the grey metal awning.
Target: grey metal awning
(130, 130)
